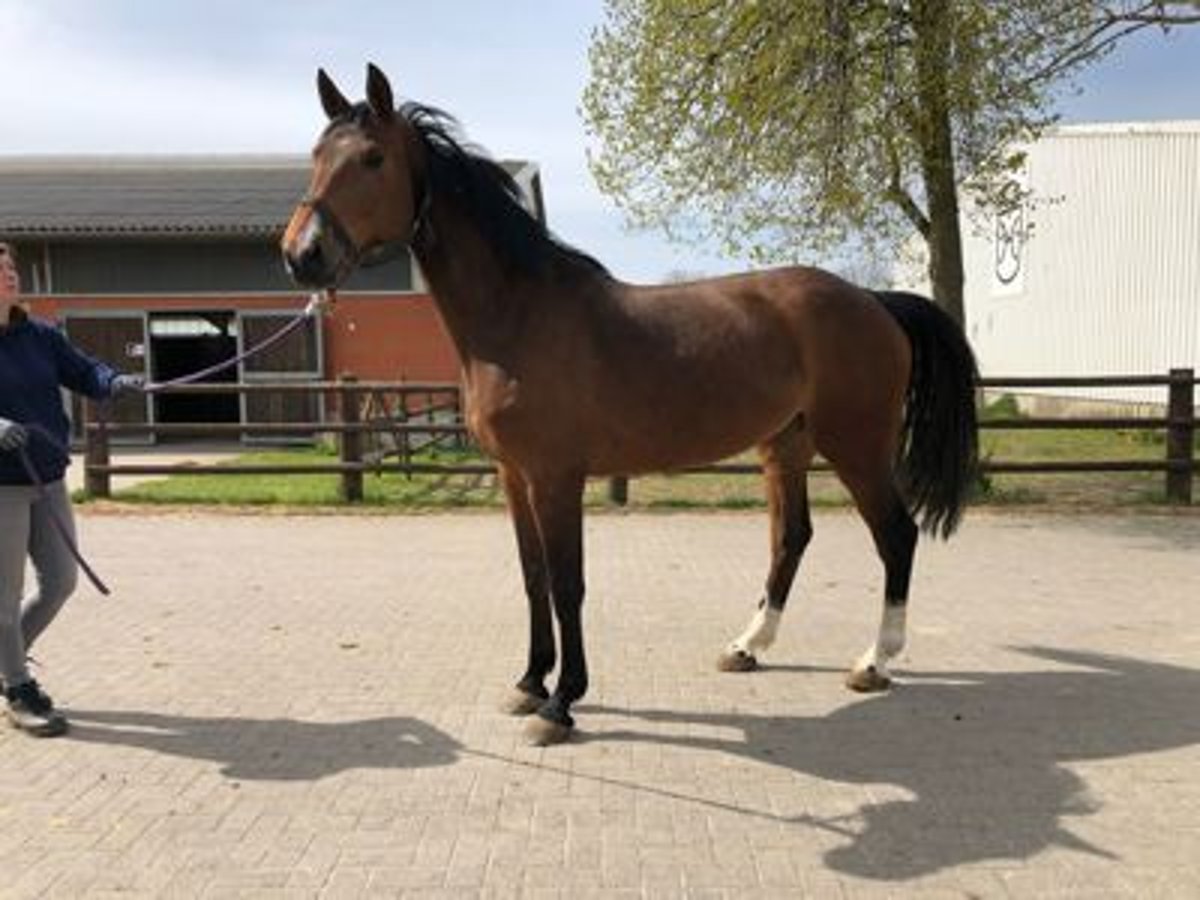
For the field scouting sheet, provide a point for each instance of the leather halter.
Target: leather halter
(382, 251)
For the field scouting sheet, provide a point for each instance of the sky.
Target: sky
(230, 76)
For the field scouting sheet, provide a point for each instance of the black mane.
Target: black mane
(490, 193)
(486, 191)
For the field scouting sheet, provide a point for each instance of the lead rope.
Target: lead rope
(318, 302)
(64, 530)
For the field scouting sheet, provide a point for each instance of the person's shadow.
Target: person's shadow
(982, 755)
(273, 749)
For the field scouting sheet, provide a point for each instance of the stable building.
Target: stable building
(168, 264)
(1097, 273)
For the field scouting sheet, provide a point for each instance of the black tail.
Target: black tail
(939, 450)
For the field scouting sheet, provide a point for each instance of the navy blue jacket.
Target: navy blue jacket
(35, 361)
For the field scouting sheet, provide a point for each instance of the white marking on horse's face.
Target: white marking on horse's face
(760, 633)
(310, 234)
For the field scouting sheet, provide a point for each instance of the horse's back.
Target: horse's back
(809, 329)
(688, 373)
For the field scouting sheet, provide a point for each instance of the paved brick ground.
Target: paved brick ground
(275, 706)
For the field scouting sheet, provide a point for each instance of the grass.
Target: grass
(415, 492)
(418, 492)
(679, 492)
(1103, 488)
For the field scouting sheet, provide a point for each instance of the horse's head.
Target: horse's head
(361, 205)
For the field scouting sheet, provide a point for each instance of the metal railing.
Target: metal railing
(352, 430)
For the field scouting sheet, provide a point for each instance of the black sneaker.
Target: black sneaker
(30, 709)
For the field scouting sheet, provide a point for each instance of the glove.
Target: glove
(126, 384)
(13, 435)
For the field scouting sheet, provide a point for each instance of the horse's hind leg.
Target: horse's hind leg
(785, 462)
(530, 692)
(895, 536)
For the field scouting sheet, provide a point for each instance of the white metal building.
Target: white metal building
(1100, 273)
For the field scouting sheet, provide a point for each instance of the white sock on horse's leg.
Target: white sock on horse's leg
(760, 633)
(890, 642)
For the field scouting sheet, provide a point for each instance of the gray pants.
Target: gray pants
(26, 530)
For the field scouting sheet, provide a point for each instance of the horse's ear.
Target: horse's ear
(379, 93)
(332, 100)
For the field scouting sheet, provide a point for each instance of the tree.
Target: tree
(780, 125)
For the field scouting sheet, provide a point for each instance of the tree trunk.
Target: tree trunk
(945, 237)
(937, 154)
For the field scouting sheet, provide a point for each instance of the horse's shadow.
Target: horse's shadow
(983, 756)
(274, 749)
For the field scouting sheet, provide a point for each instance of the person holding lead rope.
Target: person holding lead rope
(36, 361)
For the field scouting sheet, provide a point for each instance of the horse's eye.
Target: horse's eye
(373, 158)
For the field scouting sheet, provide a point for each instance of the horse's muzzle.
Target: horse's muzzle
(310, 268)
(317, 251)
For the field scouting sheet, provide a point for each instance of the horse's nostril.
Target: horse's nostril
(308, 265)
(311, 260)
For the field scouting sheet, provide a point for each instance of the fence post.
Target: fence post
(95, 452)
(1181, 406)
(460, 438)
(351, 490)
(404, 441)
(618, 490)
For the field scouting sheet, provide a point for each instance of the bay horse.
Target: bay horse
(570, 373)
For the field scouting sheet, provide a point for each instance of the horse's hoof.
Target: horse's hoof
(519, 703)
(737, 661)
(870, 680)
(541, 732)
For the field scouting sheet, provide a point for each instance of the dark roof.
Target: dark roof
(98, 196)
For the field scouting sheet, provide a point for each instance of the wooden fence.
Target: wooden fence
(439, 418)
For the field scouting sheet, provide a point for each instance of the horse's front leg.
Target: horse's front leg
(530, 692)
(557, 504)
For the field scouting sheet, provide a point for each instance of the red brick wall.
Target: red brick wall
(400, 339)
(372, 336)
